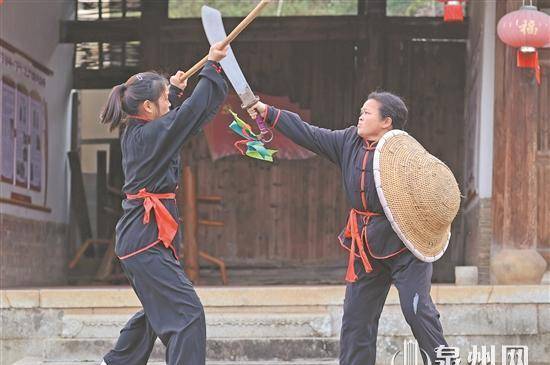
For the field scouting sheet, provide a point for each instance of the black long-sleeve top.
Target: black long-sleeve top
(151, 158)
(346, 149)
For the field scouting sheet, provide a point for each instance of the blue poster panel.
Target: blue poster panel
(37, 143)
(22, 139)
(8, 131)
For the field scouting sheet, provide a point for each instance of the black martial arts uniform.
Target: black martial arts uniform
(377, 256)
(147, 234)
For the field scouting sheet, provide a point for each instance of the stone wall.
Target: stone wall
(32, 241)
(32, 252)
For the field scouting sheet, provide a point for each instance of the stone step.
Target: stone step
(263, 324)
(34, 361)
(259, 324)
(285, 349)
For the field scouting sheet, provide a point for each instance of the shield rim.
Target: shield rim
(384, 203)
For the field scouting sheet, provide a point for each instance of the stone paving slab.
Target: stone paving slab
(31, 361)
(491, 319)
(254, 323)
(270, 296)
(314, 362)
(19, 298)
(219, 325)
(288, 351)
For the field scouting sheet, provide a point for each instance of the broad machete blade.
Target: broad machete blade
(215, 32)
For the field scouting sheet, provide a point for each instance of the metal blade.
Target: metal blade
(215, 32)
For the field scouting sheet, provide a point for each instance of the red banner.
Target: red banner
(221, 139)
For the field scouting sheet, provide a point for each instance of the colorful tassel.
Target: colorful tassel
(254, 146)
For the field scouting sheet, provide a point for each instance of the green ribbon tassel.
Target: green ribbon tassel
(255, 147)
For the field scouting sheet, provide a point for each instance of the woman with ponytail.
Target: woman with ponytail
(156, 123)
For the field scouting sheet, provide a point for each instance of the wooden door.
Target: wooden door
(430, 75)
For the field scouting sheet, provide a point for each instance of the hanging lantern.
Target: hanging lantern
(525, 29)
(452, 11)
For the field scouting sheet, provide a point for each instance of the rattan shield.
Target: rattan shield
(418, 192)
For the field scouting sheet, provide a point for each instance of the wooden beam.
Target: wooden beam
(153, 15)
(190, 225)
(265, 29)
(426, 27)
(322, 28)
(79, 205)
(361, 7)
(182, 32)
(268, 29)
(101, 195)
(376, 8)
(75, 103)
(119, 30)
(372, 46)
(516, 112)
(104, 79)
(73, 220)
(209, 199)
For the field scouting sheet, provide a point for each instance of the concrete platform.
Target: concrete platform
(267, 324)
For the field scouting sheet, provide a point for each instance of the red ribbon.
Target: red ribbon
(352, 231)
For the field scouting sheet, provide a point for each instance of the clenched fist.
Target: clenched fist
(217, 52)
(253, 111)
(178, 81)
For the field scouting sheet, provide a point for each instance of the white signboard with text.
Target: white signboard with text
(23, 140)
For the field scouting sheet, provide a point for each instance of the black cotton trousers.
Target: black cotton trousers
(365, 299)
(171, 311)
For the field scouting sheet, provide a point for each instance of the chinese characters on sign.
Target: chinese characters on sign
(449, 355)
(528, 27)
(23, 134)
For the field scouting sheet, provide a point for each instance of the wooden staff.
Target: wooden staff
(238, 29)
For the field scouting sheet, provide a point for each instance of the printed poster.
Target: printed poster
(8, 132)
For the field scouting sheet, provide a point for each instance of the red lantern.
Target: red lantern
(526, 29)
(452, 10)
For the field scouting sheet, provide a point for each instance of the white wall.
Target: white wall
(91, 103)
(485, 165)
(32, 26)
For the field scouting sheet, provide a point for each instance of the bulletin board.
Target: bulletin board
(24, 130)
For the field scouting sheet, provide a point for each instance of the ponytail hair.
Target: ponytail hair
(124, 99)
(113, 112)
